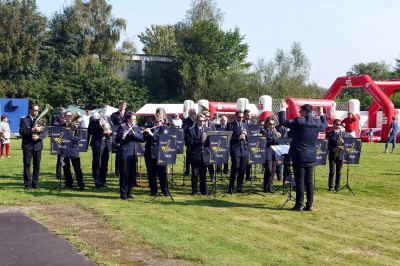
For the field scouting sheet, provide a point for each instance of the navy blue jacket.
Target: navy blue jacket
(187, 123)
(152, 142)
(272, 139)
(305, 130)
(95, 134)
(129, 146)
(198, 153)
(25, 130)
(332, 142)
(116, 120)
(237, 146)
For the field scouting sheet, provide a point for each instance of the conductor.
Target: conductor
(303, 150)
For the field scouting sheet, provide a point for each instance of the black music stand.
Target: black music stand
(322, 153)
(282, 150)
(289, 181)
(161, 194)
(251, 186)
(172, 176)
(352, 152)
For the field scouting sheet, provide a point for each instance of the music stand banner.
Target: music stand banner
(219, 149)
(167, 149)
(283, 141)
(352, 150)
(255, 129)
(257, 149)
(83, 143)
(179, 139)
(322, 151)
(60, 141)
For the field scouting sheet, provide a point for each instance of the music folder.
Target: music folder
(280, 149)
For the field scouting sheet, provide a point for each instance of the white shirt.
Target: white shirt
(177, 122)
(85, 121)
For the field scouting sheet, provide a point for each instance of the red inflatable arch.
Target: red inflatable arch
(294, 105)
(388, 90)
(373, 89)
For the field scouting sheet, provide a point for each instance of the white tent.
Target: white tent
(170, 109)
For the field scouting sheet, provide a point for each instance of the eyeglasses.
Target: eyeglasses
(35, 110)
(158, 121)
(338, 124)
(200, 120)
(240, 116)
(207, 116)
(271, 124)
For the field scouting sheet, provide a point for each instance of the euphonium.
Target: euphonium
(277, 134)
(40, 119)
(100, 114)
(339, 145)
(74, 119)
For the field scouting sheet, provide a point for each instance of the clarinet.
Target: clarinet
(245, 144)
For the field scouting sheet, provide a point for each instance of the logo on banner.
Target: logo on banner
(217, 148)
(60, 140)
(256, 149)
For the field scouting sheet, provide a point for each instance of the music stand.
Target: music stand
(289, 181)
(281, 150)
(352, 148)
(322, 153)
(172, 176)
(161, 194)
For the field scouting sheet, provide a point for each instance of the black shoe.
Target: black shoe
(295, 208)
(105, 186)
(59, 178)
(38, 188)
(194, 194)
(248, 178)
(307, 208)
(225, 173)
(81, 188)
(187, 174)
(212, 180)
(124, 198)
(204, 194)
(337, 190)
(27, 188)
(116, 174)
(239, 190)
(130, 197)
(270, 191)
(166, 192)
(67, 188)
(153, 194)
(97, 187)
(330, 189)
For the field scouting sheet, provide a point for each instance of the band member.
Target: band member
(199, 155)
(187, 123)
(221, 127)
(208, 124)
(283, 131)
(73, 156)
(60, 118)
(350, 125)
(32, 146)
(152, 137)
(215, 120)
(101, 146)
(118, 118)
(335, 161)
(271, 157)
(239, 151)
(247, 120)
(303, 150)
(128, 136)
(392, 135)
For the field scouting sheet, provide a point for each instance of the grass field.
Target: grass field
(251, 230)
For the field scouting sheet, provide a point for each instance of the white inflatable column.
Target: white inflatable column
(264, 107)
(187, 105)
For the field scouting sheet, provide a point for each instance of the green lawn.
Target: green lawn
(250, 230)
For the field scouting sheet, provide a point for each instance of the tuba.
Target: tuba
(40, 119)
(74, 119)
(100, 114)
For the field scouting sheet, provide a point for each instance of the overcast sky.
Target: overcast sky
(334, 34)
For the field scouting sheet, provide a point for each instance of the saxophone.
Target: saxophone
(339, 145)
(277, 134)
(40, 119)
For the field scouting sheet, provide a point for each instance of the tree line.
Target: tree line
(73, 58)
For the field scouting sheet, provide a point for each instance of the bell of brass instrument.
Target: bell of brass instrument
(100, 114)
(339, 145)
(277, 134)
(40, 119)
(74, 119)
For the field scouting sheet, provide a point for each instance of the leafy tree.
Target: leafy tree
(159, 40)
(205, 50)
(286, 75)
(22, 29)
(204, 10)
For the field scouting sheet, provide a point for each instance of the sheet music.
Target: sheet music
(280, 149)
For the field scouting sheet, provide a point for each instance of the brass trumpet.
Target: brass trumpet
(40, 119)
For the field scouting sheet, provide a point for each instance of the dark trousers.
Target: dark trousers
(28, 156)
(76, 164)
(211, 171)
(187, 168)
(335, 165)
(279, 172)
(199, 170)
(117, 172)
(100, 165)
(127, 178)
(270, 169)
(58, 167)
(152, 171)
(219, 168)
(238, 168)
(303, 175)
